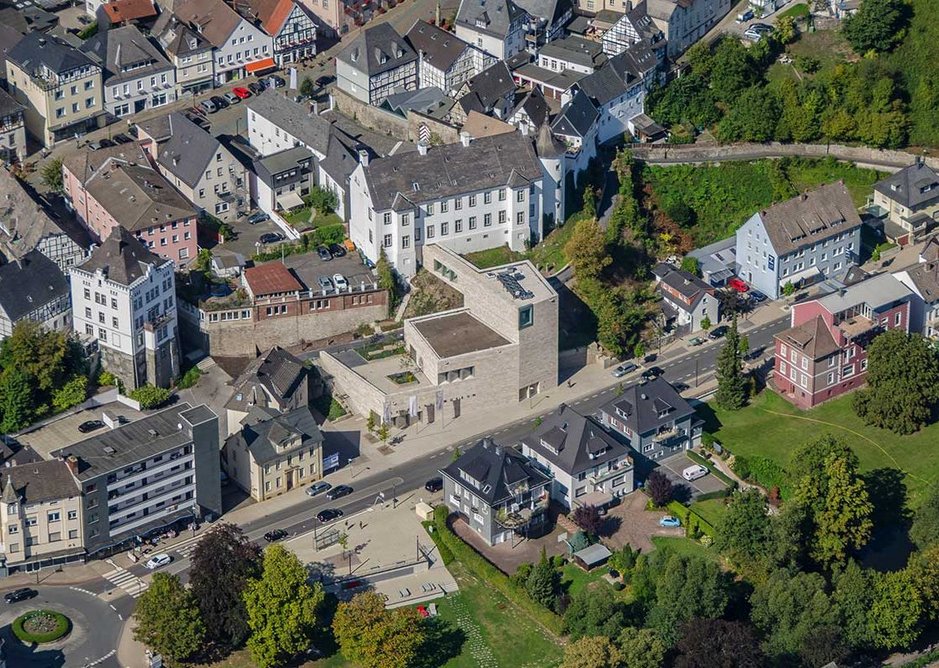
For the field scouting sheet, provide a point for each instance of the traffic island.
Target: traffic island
(41, 626)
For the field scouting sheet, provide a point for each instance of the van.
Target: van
(743, 17)
(694, 472)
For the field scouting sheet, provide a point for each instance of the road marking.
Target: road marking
(102, 659)
(126, 580)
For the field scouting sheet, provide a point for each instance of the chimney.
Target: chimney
(498, 450)
(363, 157)
(72, 462)
(524, 128)
(422, 147)
(465, 138)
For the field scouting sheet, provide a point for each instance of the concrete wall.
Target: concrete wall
(206, 448)
(358, 394)
(381, 120)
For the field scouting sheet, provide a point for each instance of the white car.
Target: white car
(340, 282)
(158, 560)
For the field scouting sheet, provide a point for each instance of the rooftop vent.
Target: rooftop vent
(109, 451)
(152, 432)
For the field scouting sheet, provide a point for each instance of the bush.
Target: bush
(763, 471)
(445, 554)
(659, 488)
(149, 396)
(485, 571)
(71, 394)
(618, 586)
(108, 378)
(190, 378)
(62, 627)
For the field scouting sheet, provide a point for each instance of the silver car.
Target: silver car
(325, 282)
(318, 488)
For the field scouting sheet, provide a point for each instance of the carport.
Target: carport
(289, 200)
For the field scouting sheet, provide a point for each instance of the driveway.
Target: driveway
(637, 525)
(508, 556)
(674, 465)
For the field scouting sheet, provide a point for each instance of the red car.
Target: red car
(242, 93)
(737, 285)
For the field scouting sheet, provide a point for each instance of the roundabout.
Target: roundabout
(41, 626)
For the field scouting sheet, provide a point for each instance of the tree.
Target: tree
(71, 394)
(149, 396)
(383, 432)
(877, 26)
(590, 201)
(223, 563)
(896, 609)
(307, 87)
(691, 265)
(371, 636)
(592, 652)
(744, 532)
(543, 582)
(924, 571)
(386, 279)
(788, 289)
(731, 382)
(687, 587)
(659, 488)
(732, 71)
(281, 606)
(786, 30)
(744, 345)
(586, 250)
(902, 391)
(823, 646)
(641, 648)
(705, 323)
(168, 619)
(589, 519)
(716, 643)
(925, 528)
(789, 607)
(595, 612)
(16, 400)
(52, 175)
(753, 117)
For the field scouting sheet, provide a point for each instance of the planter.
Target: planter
(41, 626)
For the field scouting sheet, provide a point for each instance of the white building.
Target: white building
(289, 23)
(468, 196)
(573, 53)
(276, 124)
(124, 297)
(445, 60)
(495, 26)
(376, 64)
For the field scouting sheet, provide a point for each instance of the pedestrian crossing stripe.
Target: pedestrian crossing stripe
(127, 581)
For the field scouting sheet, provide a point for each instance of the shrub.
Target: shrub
(618, 586)
(762, 471)
(659, 488)
(190, 378)
(445, 554)
(62, 627)
(149, 396)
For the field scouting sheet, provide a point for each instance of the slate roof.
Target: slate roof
(811, 337)
(913, 187)
(36, 50)
(267, 167)
(925, 276)
(575, 49)
(342, 157)
(430, 101)
(930, 250)
(310, 128)
(642, 402)
(577, 117)
(274, 438)
(125, 48)
(549, 10)
(377, 49)
(685, 284)
(42, 481)
(494, 16)
(573, 442)
(810, 217)
(276, 374)
(213, 18)
(441, 49)
(8, 105)
(30, 283)
(452, 169)
(177, 38)
(183, 148)
(138, 197)
(534, 105)
(602, 86)
(122, 257)
(497, 469)
(490, 86)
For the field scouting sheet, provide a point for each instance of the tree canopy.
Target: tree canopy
(168, 620)
(744, 531)
(878, 25)
(731, 383)
(592, 652)
(924, 530)
(686, 587)
(717, 643)
(373, 637)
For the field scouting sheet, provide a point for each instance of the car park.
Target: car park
(241, 92)
(717, 332)
(325, 282)
(737, 284)
(695, 341)
(276, 81)
(18, 595)
(340, 282)
(231, 98)
(258, 217)
(337, 250)
(652, 373)
(219, 101)
(670, 521)
(434, 485)
(694, 472)
(329, 515)
(318, 488)
(338, 491)
(158, 560)
(623, 369)
(270, 238)
(275, 535)
(324, 253)
(209, 106)
(90, 425)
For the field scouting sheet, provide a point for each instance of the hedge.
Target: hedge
(445, 554)
(717, 473)
(485, 571)
(763, 471)
(685, 514)
(718, 494)
(63, 625)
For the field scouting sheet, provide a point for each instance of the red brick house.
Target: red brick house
(824, 352)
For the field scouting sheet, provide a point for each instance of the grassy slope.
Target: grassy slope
(916, 60)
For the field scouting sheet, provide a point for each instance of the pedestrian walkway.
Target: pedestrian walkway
(126, 580)
(186, 546)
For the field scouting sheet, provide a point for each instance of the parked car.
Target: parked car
(337, 250)
(100, 143)
(257, 217)
(324, 253)
(758, 296)
(18, 595)
(322, 82)
(121, 138)
(317, 488)
(652, 373)
(737, 284)
(231, 98)
(325, 282)
(754, 354)
(681, 387)
(209, 106)
(329, 515)
(275, 535)
(270, 237)
(158, 560)
(670, 522)
(242, 92)
(623, 369)
(219, 101)
(340, 282)
(695, 341)
(276, 81)
(717, 332)
(434, 485)
(256, 87)
(743, 17)
(90, 425)
(338, 491)
(694, 472)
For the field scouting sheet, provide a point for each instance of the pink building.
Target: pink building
(824, 353)
(118, 187)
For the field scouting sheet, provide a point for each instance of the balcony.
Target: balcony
(617, 469)
(120, 484)
(518, 515)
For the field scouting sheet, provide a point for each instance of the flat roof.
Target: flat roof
(458, 334)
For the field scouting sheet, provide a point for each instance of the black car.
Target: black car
(324, 253)
(276, 81)
(256, 87)
(434, 485)
(337, 250)
(120, 138)
(270, 238)
(322, 82)
(757, 296)
(329, 515)
(717, 332)
(219, 101)
(338, 491)
(90, 425)
(754, 354)
(18, 595)
(275, 535)
(652, 373)
(681, 387)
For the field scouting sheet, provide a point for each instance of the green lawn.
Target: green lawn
(299, 218)
(548, 255)
(773, 428)
(685, 546)
(493, 257)
(796, 12)
(712, 510)
(827, 45)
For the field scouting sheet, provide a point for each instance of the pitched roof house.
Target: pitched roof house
(495, 26)
(687, 301)
(33, 288)
(444, 60)
(911, 199)
(375, 64)
(276, 380)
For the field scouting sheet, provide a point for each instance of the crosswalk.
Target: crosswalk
(185, 547)
(126, 580)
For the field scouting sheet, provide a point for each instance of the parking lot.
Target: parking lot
(309, 267)
(63, 432)
(674, 465)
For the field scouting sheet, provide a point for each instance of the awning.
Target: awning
(810, 273)
(290, 200)
(260, 65)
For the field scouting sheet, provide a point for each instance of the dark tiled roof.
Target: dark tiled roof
(535, 107)
(42, 481)
(177, 38)
(925, 276)
(811, 337)
(685, 284)
(341, 157)
(550, 10)
(441, 49)
(377, 49)
(497, 470)
(491, 85)
(8, 105)
(491, 17)
(125, 54)
(576, 118)
(122, 257)
(29, 284)
(184, 148)
(452, 169)
(575, 49)
(573, 442)
(639, 406)
(278, 372)
(276, 437)
(138, 197)
(38, 49)
(213, 18)
(810, 217)
(912, 186)
(548, 145)
(311, 129)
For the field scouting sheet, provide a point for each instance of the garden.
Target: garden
(41, 626)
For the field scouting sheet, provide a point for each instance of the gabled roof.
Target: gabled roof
(912, 186)
(125, 54)
(811, 337)
(276, 374)
(534, 105)
(478, 124)
(177, 38)
(377, 49)
(137, 197)
(84, 164)
(312, 129)
(29, 283)
(602, 86)
(642, 406)
(547, 145)
(272, 438)
(119, 11)
(122, 258)
(440, 49)
(341, 157)
(575, 49)
(183, 148)
(37, 50)
(430, 101)
(551, 11)
(577, 117)
(491, 17)
(572, 442)
(215, 20)
(810, 217)
(497, 469)
(685, 284)
(925, 276)
(490, 86)
(38, 482)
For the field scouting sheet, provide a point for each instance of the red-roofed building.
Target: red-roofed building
(122, 12)
(290, 24)
(272, 280)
